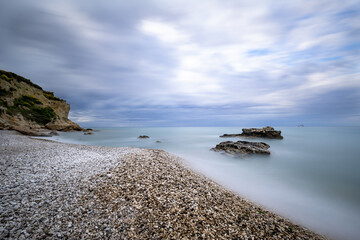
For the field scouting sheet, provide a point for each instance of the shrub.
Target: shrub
(3, 103)
(50, 95)
(4, 92)
(28, 106)
(3, 76)
(42, 115)
(8, 76)
(26, 101)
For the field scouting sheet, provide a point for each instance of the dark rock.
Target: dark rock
(88, 131)
(69, 128)
(54, 133)
(232, 135)
(158, 141)
(266, 132)
(242, 147)
(143, 136)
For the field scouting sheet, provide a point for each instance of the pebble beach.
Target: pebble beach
(53, 190)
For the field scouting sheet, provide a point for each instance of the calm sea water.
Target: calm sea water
(311, 177)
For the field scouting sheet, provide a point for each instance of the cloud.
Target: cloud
(189, 63)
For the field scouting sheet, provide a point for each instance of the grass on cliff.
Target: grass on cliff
(28, 106)
(9, 76)
(50, 96)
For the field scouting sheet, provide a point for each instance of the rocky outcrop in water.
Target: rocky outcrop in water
(143, 136)
(266, 132)
(27, 108)
(242, 147)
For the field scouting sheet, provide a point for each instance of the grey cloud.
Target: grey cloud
(107, 68)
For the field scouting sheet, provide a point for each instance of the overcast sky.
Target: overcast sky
(190, 63)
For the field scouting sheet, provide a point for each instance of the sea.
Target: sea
(311, 177)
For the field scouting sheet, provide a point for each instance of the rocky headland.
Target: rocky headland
(266, 132)
(27, 108)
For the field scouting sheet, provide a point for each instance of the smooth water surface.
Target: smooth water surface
(312, 176)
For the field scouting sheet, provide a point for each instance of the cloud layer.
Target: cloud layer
(186, 63)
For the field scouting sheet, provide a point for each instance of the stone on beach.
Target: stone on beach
(31, 132)
(242, 147)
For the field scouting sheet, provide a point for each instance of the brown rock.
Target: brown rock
(30, 132)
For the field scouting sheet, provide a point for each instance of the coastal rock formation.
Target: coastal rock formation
(266, 132)
(143, 136)
(30, 132)
(242, 147)
(26, 106)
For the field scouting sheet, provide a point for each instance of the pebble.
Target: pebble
(55, 190)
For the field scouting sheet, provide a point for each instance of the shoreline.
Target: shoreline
(60, 190)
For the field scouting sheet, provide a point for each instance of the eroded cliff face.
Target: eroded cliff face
(24, 104)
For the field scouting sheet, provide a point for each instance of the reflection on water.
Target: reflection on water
(312, 175)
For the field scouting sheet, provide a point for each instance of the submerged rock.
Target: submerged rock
(242, 147)
(143, 136)
(54, 133)
(88, 131)
(266, 132)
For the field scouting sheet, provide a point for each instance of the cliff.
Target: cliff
(25, 105)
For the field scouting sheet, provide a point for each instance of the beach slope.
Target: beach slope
(56, 190)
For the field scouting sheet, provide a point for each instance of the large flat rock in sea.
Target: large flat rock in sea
(266, 132)
(242, 147)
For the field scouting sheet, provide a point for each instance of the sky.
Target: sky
(190, 63)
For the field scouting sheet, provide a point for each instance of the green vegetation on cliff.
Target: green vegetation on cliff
(4, 92)
(9, 76)
(50, 95)
(3, 103)
(28, 106)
